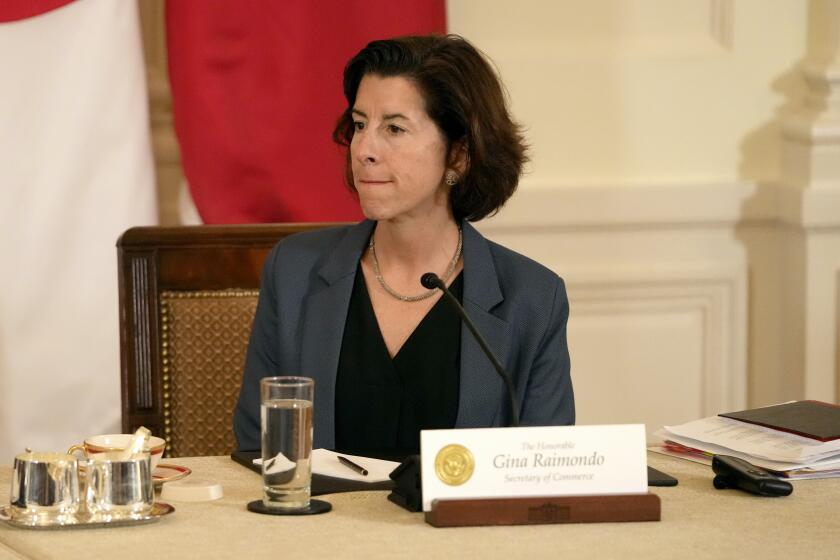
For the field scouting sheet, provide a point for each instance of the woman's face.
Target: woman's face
(398, 153)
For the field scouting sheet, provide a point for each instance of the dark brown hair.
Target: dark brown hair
(465, 98)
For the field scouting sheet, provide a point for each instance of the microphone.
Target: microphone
(431, 281)
(408, 490)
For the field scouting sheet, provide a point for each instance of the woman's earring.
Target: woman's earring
(450, 178)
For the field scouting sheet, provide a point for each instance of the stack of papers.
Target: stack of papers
(784, 453)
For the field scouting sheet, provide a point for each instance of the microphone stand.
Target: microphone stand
(407, 491)
(431, 281)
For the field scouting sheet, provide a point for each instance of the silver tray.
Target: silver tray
(159, 509)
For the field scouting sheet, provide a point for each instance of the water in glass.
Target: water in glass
(286, 452)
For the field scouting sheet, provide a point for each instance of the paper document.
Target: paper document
(755, 440)
(793, 455)
(826, 470)
(754, 459)
(325, 462)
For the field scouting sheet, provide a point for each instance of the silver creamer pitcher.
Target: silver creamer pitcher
(119, 487)
(45, 488)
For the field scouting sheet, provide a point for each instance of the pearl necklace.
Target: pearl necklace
(449, 270)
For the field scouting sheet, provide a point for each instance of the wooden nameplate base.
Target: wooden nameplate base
(540, 510)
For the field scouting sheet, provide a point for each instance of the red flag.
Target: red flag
(256, 89)
(13, 10)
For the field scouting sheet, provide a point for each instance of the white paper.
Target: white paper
(326, 463)
(662, 450)
(827, 470)
(756, 441)
(280, 463)
(754, 459)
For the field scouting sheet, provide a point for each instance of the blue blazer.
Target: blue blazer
(517, 304)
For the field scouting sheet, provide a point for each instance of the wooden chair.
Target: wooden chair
(187, 301)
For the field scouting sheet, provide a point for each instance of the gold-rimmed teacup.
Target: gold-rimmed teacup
(111, 443)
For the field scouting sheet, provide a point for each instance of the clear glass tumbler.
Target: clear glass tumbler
(286, 426)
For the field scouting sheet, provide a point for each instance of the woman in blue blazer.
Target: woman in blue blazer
(430, 147)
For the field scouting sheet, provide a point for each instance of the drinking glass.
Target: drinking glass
(286, 430)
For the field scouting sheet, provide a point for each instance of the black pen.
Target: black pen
(348, 463)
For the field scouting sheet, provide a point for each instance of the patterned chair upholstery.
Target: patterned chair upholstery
(187, 301)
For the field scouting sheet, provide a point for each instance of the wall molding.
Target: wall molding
(837, 336)
(723, 204)
(733, 252)
(709, 35)
(722, 22)
(717, 292)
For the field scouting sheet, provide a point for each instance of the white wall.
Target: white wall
(629, 92)
(661, 190)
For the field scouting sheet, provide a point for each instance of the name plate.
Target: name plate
(534, 461)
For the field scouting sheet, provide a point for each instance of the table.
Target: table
(697, 522)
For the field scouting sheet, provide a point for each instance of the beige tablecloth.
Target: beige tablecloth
(697, 522)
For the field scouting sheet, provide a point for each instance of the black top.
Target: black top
(381, 404)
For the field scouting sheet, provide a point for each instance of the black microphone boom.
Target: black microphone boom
(431, 281)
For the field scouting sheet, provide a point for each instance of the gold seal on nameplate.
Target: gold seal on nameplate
(454, 464)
